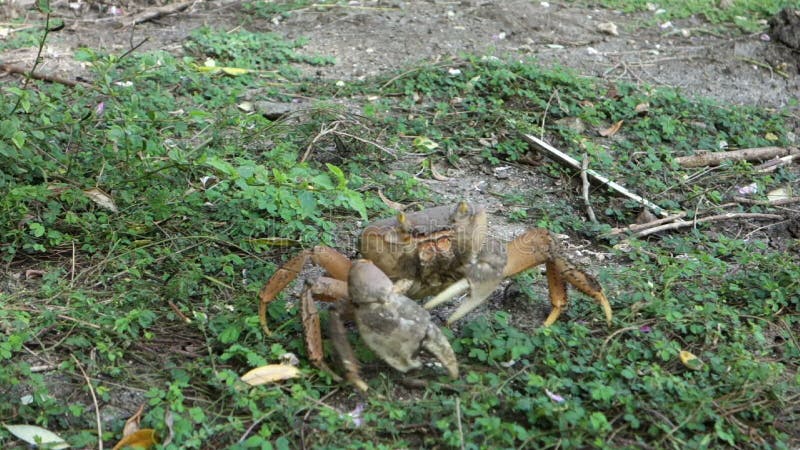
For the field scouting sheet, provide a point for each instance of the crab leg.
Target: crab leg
(345, 351)
(537, 247)
(336, 264)
(531, 249)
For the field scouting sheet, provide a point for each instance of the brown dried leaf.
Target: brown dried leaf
(34, 273)
(270, 374)
(612, 130)
(642, 108)
(169, 421)
(436, 175)
(132, 424)
(144, 438)
(394, 205)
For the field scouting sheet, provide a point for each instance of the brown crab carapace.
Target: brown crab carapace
(443, 251)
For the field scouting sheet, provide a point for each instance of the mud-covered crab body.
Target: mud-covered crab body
(443, 251)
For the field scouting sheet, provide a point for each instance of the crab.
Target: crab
(443, 252)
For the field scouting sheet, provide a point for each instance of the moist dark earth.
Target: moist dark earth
(368, 38)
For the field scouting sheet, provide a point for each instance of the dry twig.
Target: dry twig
(572, 162)
(96, 405)
(747, 154)
(715, 218)
(585, 181)
(776, 202)
(153, 13)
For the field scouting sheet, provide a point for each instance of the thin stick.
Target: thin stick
(747, 154)
(642, 226)
(727, 216)
(96, 405)
(366, 141)
(585, 181)
(572, 162)
(37, 76)
(776, 202)
(154, 13)
(72, 270)
(458, 420)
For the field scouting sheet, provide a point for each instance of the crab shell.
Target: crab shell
(434, 247)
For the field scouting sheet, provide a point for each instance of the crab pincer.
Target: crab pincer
(395, 327)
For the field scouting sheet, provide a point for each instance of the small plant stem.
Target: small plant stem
(585, 181)
(94, 400)
(458, 420)
(35, 62)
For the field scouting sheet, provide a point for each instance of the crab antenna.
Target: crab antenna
(453, 291)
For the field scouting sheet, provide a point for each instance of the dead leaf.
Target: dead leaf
(394, 205)
(772, 137)
(101, 198)
(690, 361)
(37, 436)
(779, 194)
(144, 438)
(436, 175)
(132, 424)
(235, 71)
(612, 130)
(34, 273)
(609, 28)
(642, 108)
(169, 421)
(270, 374)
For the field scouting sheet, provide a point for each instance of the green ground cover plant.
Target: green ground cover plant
(140, 216)
(746, 15)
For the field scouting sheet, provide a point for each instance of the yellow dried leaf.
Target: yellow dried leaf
(612, 130)
(235, 71)
(270, 374)
(144, 438)
(690, 361)
(771, 137)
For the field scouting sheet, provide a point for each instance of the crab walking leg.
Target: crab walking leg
(345, 351)
(536, 247)
(331, 289)
(336, 264)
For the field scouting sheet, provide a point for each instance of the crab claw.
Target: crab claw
(395, 327)
(482, 277)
